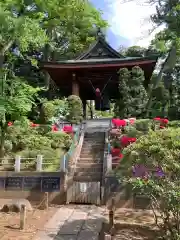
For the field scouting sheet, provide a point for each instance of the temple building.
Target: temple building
(96, 70)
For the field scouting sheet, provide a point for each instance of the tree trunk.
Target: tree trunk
(3, 51)
(2, 141)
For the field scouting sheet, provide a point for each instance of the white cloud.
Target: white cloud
(132, 21)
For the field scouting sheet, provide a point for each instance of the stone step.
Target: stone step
(92, 144)
(89, 165)
(90, 155)
(94, 135)
(87, 179)
(94, 161)
(94, 150)
(91, 177)
(94, 147)
(92, 174)
(100, 139)
(87, 170)
(88, 159)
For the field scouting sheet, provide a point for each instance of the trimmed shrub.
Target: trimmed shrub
(75, 109)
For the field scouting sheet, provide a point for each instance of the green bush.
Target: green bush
(59, 140)
(174, 124)
(131, 131)
(51, 156)
(143, 124)
(48, 111)
(75, 109)
(8, 146)
(157, 149)
(29, 139)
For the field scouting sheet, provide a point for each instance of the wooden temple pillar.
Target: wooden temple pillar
(75, 85)
(84, 108)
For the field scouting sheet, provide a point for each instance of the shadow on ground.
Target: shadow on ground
(85, 223)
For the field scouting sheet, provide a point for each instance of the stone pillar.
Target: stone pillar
(75, 85)
(84, 108)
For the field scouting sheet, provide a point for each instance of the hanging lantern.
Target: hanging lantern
(98, 92)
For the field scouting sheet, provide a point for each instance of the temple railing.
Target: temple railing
(70, 158)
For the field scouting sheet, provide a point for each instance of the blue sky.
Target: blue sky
(113, 39)
(129, 22)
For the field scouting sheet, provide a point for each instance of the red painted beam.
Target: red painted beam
(125, 64)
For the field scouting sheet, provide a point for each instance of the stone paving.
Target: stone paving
(74, 222)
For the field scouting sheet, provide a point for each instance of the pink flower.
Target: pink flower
(10, 124)
(132, 140)
(115, 152)
(157, 119)
(68, 129)
(34, 124)
(54, 128)
(131, 120)
(165, 120)
(121, 123)
(124, 141)
(118, 122)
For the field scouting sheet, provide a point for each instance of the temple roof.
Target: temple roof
(121, 62)
(101, 54)
(100, 49)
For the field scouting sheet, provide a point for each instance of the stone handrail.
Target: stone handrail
(107, 161)
(76, 154)
(68, 158)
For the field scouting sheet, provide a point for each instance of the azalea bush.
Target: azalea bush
(162, 122)
(118, 139)
(29, 139)
(155, 156)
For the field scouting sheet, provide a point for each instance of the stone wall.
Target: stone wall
(33, 195)
(124, 198)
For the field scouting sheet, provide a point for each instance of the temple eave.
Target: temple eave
(97, 65)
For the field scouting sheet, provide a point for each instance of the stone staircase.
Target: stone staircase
(89, 167)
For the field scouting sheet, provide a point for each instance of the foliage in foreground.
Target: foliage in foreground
(159, 152)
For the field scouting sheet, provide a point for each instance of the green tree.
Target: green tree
(20, 30)
(121, 108)
(75, 109)
(33, 30)
(16, 101)
(137, 51)
(133, 96)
